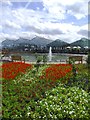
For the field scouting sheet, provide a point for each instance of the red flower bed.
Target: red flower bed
(11, 70)
(57, 71)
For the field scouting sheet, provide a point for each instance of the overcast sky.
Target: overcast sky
(53, 19)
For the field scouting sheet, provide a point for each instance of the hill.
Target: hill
(58, 43)
(40, 41)
(83, 42)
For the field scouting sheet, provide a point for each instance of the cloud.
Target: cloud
(78, 9)
(89, 8)
(4, 36)
(83, 33)
(83, 30)
(1, 28)
(48, 23)
(6, 3)
(11, 25)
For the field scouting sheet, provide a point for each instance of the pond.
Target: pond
(56, 57)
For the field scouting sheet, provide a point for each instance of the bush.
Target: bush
(39, 59)
(44, 58)
(63, 103)
(81, 81)
(88, 60)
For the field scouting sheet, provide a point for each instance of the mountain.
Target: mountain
(40, 41)
(13, 43)
(22, 40)
(83, 42)
(58, 43)
(7, 43)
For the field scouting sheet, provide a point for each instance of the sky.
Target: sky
(66, 20)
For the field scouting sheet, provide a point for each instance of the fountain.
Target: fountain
(50, 54)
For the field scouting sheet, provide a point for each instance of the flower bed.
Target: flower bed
(27, 96)
(56, 72)
(11, 70)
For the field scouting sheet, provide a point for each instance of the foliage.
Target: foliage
(74, 70)
(33, 97)
(39, 59)
(88, 60)
(63, 103)
(82, 78)
(37, 65)
(44, 59)
(72, 61)
(19, 92)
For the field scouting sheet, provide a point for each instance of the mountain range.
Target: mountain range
(40, 41)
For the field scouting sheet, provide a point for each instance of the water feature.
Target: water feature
(50, 54)
(53, 57)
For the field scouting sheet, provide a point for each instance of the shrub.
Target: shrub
(63, 103)
(44, 59)
(88, 60)
(39, 59)
(81, 79)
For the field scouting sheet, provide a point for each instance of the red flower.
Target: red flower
(11, 70)
(57, 71)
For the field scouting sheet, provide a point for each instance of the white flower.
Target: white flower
(39, 116)
(28, 113)
(70, 112)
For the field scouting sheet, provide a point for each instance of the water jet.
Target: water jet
(50, 54)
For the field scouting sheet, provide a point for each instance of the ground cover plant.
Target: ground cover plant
(61, 102)
(57, 71)
(12, 69)
(28, 95)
